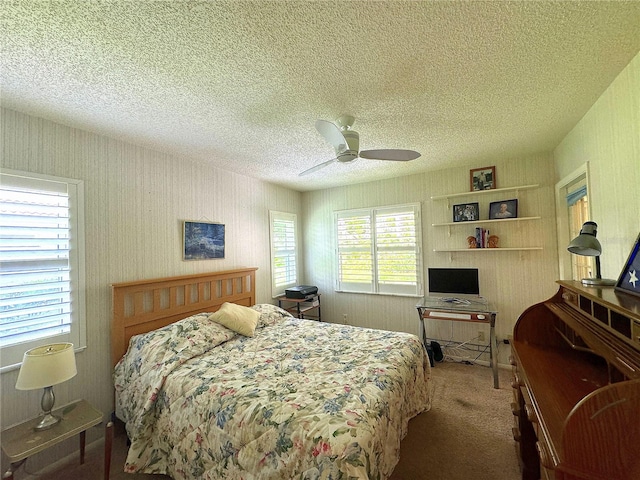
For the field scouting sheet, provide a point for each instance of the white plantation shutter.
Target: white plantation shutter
(284, 251)
(397, 247)
(379, 250)
(355, 250)
(41, 298)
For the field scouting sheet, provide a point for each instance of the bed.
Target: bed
(297, 399)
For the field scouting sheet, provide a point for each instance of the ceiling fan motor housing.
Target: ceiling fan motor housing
(348, 156)
(353, 147)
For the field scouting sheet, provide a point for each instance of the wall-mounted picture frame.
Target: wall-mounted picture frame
(629, 280)
(483, 178)
(203, 240)
(503, 209)
(466, 212)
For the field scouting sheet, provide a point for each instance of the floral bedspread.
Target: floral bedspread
(300, 399)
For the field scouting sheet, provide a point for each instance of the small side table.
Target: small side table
(22, 441)
(301, 306)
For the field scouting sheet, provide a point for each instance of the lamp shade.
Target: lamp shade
(586, 242)
(46, 366)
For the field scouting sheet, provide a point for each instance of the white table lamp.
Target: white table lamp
(587, 244)
(43, 367)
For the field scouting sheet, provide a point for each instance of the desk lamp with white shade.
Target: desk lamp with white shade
(43, 367)
(587, 244)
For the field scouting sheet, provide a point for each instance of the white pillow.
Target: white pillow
(237, 318)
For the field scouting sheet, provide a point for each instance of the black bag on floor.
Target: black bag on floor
(437, 351)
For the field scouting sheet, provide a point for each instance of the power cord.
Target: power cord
(454, 349)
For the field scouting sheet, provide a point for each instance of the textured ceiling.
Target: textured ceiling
(240, 84)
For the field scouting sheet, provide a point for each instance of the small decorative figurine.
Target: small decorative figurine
(471, 240)
(493, 241)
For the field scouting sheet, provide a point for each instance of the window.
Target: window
(42, 260)
(572, 210)
(379, 250)
(284, 251)
(578, 210)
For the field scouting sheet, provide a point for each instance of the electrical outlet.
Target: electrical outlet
(481, 336)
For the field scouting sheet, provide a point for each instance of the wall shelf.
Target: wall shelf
(506, 223)
(483, 192)
(501, 220)
(475, 250)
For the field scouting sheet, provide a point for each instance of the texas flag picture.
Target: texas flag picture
(630, 277)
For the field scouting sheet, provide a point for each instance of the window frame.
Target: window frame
(377, 286)
(571, 182)
(11, 355)
(279, 289)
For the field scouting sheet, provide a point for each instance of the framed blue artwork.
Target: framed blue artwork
(203, 240)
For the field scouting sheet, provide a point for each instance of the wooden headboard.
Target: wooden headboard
(146, 305)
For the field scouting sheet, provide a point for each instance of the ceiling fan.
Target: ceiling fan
(346, 143)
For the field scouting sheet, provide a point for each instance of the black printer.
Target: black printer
(301, 291)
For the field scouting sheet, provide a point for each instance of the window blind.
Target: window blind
(284, 254)
(35, 300)
(38, 270)
(574, 196)
(379, 250)
(355, 251)
(397, 248)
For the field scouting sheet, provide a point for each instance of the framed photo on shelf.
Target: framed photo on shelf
(203, 240)
(503, 209)
(629, 280)
(466, 212)
(483, 178)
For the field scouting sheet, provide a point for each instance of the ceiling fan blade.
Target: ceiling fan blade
(332, 134)
(317, 167)
(391, 154)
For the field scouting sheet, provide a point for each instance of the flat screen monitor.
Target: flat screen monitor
(454, 281)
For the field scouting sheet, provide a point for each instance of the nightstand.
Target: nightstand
(302, 306)
(22, 441)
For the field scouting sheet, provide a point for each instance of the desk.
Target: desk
(22, 441)
(435, 308)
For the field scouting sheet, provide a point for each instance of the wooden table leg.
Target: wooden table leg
(83, 437)
(108, 443)
(8, 475)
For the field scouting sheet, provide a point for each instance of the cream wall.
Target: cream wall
(608, 137)
(512, 280)
(135, 201)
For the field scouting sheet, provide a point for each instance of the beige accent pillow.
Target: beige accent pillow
(237, 318)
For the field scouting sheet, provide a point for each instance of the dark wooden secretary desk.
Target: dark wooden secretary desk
(576, 380)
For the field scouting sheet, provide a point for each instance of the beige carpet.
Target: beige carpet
(467, 433)
(465, 436)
